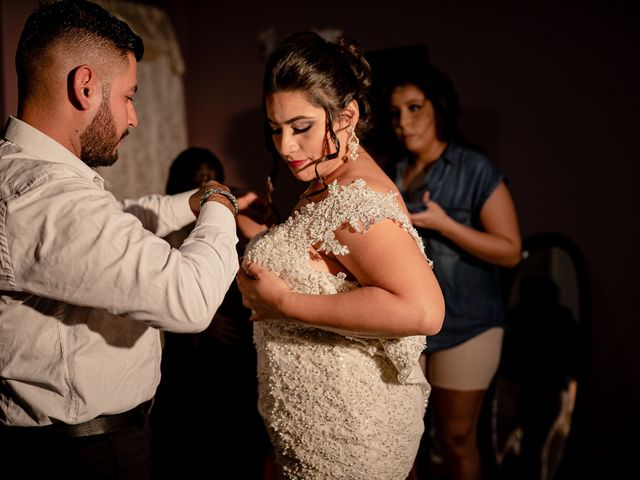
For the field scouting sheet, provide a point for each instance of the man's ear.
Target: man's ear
(83, 87)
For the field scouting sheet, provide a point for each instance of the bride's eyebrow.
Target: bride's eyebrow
(290, 121)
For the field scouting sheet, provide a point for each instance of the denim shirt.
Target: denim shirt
(460, 181)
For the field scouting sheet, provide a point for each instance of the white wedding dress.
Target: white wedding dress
(337, 406)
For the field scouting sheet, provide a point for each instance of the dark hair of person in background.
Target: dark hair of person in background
(193, 167)
(440, 90)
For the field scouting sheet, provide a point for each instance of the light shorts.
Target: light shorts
(468, 366)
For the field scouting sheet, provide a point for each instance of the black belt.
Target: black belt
(97, 426)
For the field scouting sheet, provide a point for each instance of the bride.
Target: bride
(342, 292)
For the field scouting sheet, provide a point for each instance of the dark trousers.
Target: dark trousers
(121, 455)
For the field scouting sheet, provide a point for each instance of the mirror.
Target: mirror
(537, 381)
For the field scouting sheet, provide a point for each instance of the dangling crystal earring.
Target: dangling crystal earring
(352, 145)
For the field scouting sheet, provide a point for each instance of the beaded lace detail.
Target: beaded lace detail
(336, 405)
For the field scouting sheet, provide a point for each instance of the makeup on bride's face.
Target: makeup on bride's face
(298, 129)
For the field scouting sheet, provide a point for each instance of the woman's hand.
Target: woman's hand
(245, 201)
(257, 208)
(434, 217)
(498, 242)
(255, 215)
(262, 291)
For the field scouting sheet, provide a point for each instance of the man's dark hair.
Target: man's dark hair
(78, 23)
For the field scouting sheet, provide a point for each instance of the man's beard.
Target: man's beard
(99, 141)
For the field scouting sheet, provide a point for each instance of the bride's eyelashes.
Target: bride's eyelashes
(297, 130)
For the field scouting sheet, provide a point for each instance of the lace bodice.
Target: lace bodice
(285, 248)
(308, 375)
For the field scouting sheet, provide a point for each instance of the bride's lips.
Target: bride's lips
(295, 164)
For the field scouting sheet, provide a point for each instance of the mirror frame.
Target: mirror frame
(532, 243)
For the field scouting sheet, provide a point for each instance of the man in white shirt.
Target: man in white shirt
(85, 285)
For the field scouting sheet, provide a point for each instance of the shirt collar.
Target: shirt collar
(451, 153)
(46, 148)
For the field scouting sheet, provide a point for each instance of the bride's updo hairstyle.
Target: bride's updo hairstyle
(330, 75)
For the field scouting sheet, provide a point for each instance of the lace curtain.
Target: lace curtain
(146, 154)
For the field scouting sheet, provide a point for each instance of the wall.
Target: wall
(13, 14)
(549, 89)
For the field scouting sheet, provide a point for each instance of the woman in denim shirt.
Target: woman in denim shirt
(463, 210)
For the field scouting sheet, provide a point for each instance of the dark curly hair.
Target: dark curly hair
(329, 74)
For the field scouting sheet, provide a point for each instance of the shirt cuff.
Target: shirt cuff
(180, 205)
(214, 212)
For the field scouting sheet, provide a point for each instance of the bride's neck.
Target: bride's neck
(319, 185)
(337, 172)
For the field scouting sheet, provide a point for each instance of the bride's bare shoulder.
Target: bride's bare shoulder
(372, 175)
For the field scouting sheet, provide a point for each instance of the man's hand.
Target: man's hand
(194, 200)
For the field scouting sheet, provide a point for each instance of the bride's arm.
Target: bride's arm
(399, 294)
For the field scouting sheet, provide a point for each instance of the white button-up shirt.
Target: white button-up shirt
(86, 281)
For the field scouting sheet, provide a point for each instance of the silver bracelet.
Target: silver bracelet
(220, 191)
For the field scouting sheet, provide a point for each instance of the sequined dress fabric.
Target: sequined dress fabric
(337, 406)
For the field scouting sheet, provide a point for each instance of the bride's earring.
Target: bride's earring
(353, 142)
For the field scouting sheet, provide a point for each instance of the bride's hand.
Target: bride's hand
(262, 291)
